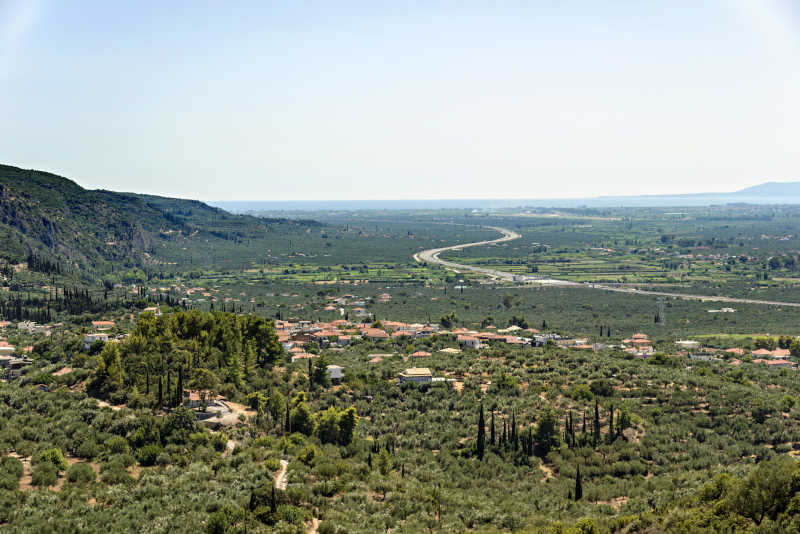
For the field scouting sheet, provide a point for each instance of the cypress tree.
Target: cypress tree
(481, 435)
(596, 427)
(530, 441)
(288, 420)
(491, 435)
(160, 392)
(514, 439)
(571, 430)
(180, 384)
(584, 423)
(611, 424)
(169, 389)
(578, 485)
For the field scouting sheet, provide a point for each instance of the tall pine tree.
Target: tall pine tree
(596, 428)
(491, 432)
(481, 446)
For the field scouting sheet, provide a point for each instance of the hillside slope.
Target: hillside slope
(54, 217)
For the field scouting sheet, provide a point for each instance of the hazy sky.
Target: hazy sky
(379, 100)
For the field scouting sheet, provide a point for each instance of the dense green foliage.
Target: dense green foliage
(515, 439)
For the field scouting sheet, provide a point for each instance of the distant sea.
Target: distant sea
(490, 204)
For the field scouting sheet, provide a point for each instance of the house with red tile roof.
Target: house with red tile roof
(471, 342)
(297, 356)
(374, 334)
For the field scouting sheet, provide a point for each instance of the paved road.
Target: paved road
(432, 256)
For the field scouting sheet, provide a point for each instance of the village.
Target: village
(304, 340)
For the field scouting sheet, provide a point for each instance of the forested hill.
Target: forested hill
(54, 218)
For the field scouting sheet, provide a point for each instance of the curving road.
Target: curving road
(432, 256)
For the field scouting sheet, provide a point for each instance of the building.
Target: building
(297, 356)
(102, 325)
(16, 365)
(335, 373)
(89, 339)
(470, 342)
(419, 375)
(375, 334)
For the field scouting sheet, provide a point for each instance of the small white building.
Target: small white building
(418, 375)
(89, 339)
(335, 373)
(471, 342)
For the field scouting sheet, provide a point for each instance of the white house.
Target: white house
(416, 374)
(88, 339)
(335, 373)
(471, 342)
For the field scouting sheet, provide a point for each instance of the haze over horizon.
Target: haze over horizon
(264, 101)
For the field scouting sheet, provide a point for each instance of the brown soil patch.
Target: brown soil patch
(615, 503)
(548, 472)
(104, 404)
(240, 408)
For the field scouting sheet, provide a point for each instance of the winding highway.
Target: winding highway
(432, 256)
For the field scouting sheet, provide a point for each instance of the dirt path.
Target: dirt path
(548, 473)
(229, 447)
(432, 256)
(280, 478)
(314, 526)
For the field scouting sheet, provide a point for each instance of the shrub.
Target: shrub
(11, 466)
(307, 454)
(273, 464)
(81, 473)
(53, 457)
(44, 474)
(114, 473)
(117, 445)
(148, 455)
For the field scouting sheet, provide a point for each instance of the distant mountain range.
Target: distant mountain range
(766, 193)
(97, 231)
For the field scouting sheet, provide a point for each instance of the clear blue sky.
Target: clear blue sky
(382, 100)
